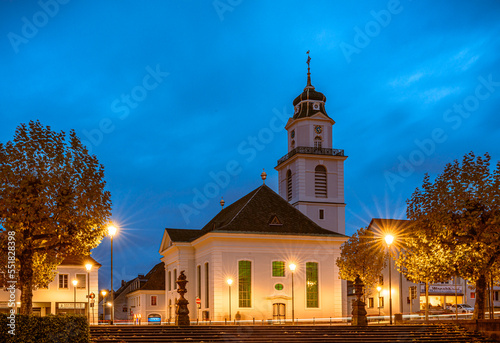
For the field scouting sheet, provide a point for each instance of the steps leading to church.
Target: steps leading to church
(448, 333)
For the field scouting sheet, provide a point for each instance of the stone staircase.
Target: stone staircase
(448, 333)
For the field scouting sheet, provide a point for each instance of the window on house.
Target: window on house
(350, 288)
(153, 300)
(381, 280)
(496, 296)
(380, 301)
(207, 284)
(169, 281)
(198, 280)
(245, 283)
(278, 268)
(312, 284)
(370, 303)
(175, 278)
(289, 184)
(320, 182)
(82, 281)
(473, 295)
(63, 281)
(321, 214)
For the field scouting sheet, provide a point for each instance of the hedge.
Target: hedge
(48, 329)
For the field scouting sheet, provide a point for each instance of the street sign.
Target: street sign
(198, 301)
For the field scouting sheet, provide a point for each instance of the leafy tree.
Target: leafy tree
(52, 199)
(362, 255)
(423, 259)
(460, 210)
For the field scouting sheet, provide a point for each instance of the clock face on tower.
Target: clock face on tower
(318, 129)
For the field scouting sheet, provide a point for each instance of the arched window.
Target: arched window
(318, 142)
(292, 144)
(320, 182)
(289, 184)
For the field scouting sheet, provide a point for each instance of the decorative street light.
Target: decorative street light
(88, 266)
(229, 282)
(292, 267)
(112, 231)
(75, 282)
(378, 301)
(103, 292)
(389, 239)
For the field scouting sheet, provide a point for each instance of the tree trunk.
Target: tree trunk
(26, 280)
(480, 297)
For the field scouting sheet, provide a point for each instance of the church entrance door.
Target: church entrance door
(279, 312)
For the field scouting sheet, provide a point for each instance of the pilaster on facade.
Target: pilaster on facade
(217, 283)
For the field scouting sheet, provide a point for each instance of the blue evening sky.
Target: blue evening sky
(170, 94)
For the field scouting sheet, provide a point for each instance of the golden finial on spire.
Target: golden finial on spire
(222, 202)
(308, 68)
(263, 176)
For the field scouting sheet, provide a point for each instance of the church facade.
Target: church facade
(268, 255)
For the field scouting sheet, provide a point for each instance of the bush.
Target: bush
(48, 329)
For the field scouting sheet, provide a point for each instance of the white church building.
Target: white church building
(256, 241)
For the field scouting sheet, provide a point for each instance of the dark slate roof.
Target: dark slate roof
(306, 107)
(254, 213)
(74, 260)
(183, 235)
(156, 278)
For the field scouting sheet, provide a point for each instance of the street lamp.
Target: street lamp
(229, 282)
(88, 266)
(389, 239)
(75, 282)
(103, 292)
(378, 301)
(112, 232)
(292, 267)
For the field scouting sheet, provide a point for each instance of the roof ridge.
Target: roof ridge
(241, 209)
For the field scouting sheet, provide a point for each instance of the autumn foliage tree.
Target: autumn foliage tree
(362, 255)
(52, 199)
(460, 213)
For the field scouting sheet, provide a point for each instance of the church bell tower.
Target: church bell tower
(311, 174)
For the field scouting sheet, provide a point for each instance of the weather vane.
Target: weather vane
(308, 69)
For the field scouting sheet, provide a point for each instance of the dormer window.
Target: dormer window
(297, 109)
(316, 106)
(275, 221)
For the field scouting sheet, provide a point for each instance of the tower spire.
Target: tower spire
(308, 69)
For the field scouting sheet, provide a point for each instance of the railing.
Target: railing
(312, 151)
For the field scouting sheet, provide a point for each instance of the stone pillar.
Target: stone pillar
(358, 306)
(181, 309)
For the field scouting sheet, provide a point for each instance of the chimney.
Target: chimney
(123, 283)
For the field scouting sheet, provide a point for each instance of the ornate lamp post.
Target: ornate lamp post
(389, 239)
(112, 231)
(292, 267)
(103, 292)
(75, 282)
(88, 266)
(229, 282)
(378, 301)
